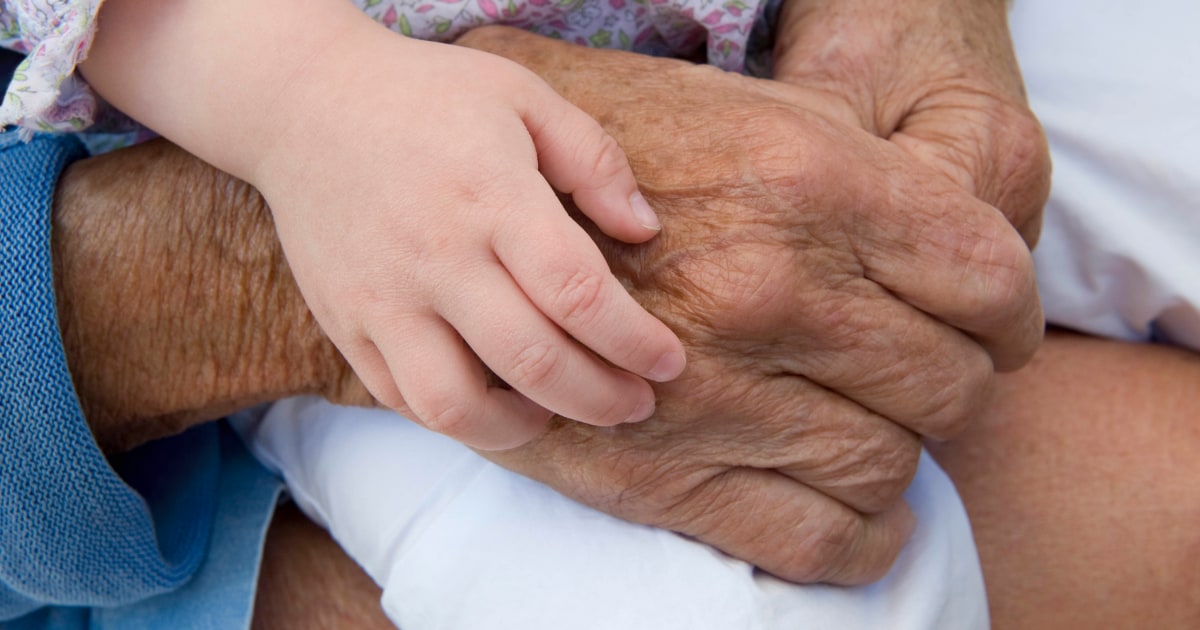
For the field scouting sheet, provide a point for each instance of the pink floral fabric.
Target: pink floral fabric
(44, 93)
(47, 95)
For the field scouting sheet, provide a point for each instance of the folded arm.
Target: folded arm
(830, 291)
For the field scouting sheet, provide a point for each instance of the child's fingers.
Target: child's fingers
(533, 356)
(370, 368)
(579, 158)
(565, 276)
(445, 389)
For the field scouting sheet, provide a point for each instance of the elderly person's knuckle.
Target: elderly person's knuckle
(823, 543)
(661, 488)
(748, 288)
(754, 292)
(1002, 278)
(872, 468)
(883, 476)
(1013, 162)
(951, 408)
(1027, 152)
(778, 157)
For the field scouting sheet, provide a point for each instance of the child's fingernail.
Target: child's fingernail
(643, 412)
(643, 212)
(668, 367)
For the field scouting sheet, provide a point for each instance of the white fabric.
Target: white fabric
(460, 543)
(1116, 85)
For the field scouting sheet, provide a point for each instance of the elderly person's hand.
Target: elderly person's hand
(937, 78)
(837, 297)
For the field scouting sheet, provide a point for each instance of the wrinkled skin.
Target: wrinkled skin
(937, 78)
(175, 303)
(837, 300)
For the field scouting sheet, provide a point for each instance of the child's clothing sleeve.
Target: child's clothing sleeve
(46, 94)
(165, 536)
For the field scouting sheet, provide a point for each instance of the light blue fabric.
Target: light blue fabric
(221, 593)
(74, 530)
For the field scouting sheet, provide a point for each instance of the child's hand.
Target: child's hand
(406, 189)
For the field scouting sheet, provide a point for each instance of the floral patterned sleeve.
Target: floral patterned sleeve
(45, 94)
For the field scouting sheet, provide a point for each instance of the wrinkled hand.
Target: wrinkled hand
(837, 300)
(937, 78)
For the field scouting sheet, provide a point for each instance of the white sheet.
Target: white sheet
(460, 543)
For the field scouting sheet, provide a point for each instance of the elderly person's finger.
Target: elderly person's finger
(761, 515)
(954, 257)
(885, 217)
(791, 530)
(804, 431)
(817, 318)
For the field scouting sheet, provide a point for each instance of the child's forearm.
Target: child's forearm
(214, 75)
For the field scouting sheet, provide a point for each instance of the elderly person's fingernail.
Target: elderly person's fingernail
(668, 367)
(643, 212)
(643, 412)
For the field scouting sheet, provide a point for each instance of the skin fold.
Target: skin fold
(938, 78)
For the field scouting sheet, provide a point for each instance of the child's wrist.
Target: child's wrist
(312, 103)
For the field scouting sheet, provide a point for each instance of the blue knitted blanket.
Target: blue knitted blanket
(75, 528)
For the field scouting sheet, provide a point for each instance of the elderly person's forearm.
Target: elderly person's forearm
(174, 299)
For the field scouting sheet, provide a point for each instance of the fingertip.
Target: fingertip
(642, 412)
(629, 219)
(668, 367)
(643, 213)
